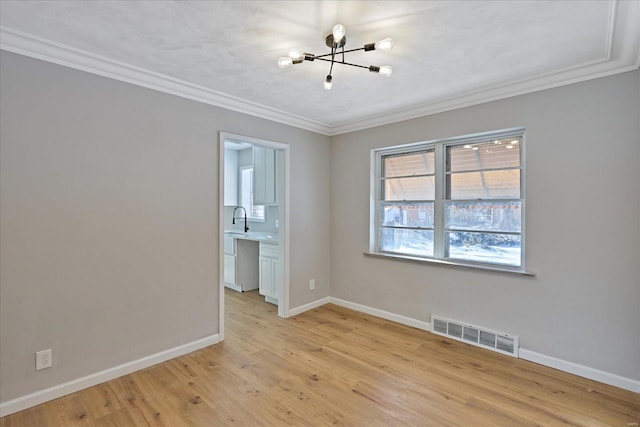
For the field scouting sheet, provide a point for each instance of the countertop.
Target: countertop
(258, 236)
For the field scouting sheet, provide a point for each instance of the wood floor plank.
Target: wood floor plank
(335, 366)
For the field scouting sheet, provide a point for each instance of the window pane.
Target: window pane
(257, 211)
(414, 188)
(486, 216)
(407, 214)
(486, 155)
(246, 195)
(408, 242)
(421, 163)
(483, 247)
(503, 184)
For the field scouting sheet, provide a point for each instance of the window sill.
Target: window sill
(497, 269)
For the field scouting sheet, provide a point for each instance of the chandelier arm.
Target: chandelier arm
(342, 63)
(346, 51)
(354, 50)
(333, 53)
(353, 65)
(323, 59)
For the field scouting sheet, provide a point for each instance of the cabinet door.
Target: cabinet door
(270, 176)
(277, 278)
(259, 174)
(230, 177)
(229, 245)
(266, 277)
(230, 269)
(264, 176)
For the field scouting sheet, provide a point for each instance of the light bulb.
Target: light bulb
(284, 62)
(338, 33)
(386, 70)
(328, 83)
(386, 44)
(295, 54)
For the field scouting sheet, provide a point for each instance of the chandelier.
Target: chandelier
(336, 41)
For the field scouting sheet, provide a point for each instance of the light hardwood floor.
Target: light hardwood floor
(334, 366)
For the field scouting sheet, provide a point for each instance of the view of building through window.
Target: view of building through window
(254, 212)
(452, 200)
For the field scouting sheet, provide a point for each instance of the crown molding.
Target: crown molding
(621, 53)
(487, 95)
(26, 44)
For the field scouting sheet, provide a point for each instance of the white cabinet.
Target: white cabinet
(240, 264)
(264, 176)
(277, 277)
(230, 271)
(230, 177)
(230, 262)
(267, 278)
(270, 271)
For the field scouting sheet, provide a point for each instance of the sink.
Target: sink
(258, 236)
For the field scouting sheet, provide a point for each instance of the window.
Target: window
(254, 212)
(459, 200)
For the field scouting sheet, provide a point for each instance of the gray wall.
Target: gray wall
(582, 229)
(109, 223)
(109, 220)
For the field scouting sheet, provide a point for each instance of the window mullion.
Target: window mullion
(376, 199)
(438, 209)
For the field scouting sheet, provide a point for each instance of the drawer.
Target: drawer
(270, 251)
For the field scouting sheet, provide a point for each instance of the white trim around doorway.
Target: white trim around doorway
(283, 301)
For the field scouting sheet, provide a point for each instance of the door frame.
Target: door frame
(283, 229)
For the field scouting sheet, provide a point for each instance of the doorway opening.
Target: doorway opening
(254, 220)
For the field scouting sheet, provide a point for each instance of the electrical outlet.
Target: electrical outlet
(43, 359)
(312, 284)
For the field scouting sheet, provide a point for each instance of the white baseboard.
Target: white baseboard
(381, 313)
(33, 399)
(41, 396)
(581, 370)
(531, 356)
(307, 307)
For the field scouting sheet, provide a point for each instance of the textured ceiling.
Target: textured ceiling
(446, 53)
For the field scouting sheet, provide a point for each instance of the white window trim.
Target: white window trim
(440, 185)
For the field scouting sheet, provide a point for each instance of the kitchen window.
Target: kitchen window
(254, 212)
(459, 200)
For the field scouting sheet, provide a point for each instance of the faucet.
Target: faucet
(246, 227)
